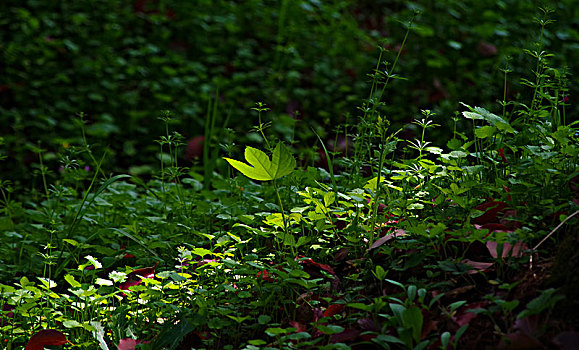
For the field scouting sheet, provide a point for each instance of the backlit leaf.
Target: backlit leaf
(485, 131)
(70, 279)
(260, 167)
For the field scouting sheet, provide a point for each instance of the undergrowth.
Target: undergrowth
(397, 244)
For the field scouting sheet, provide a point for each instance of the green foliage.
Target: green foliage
(261, 168)
(401, 243)
(121, 63)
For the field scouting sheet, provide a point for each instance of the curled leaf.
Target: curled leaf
(477, 266)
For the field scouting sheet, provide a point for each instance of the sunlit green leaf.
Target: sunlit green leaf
(70, 279)
(259, 167)
(485, 131)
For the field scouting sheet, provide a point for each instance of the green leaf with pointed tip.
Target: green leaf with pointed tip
(488, 116)
(493, 119)
(471, 115)
(259, 167)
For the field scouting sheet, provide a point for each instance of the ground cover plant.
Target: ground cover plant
(392, 243)
(122, 62)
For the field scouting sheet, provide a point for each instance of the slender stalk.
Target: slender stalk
(86, 145)
(285, 224)
(377, 194)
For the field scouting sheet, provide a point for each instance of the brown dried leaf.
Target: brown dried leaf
(380, 241)
(477, 266)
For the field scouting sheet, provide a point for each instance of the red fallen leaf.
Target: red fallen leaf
(127, 344)
(367, 337)
(147, 272)
(309, 262)
(492, 208)
(127, 255)
(46, 337)
(348, 335)
(134, 278)
(509, 219)
(381, 206)
(341, 254)
(380, 241)
(516, 250)
(318, 313)
(477, 266)
(367, 324)
(300, 327)
(530, 325)
(464, 316)
(8, 314)
(429, 324)
(334, 309)
(567, 340)
(266, 276)
(524, 335)
(519, 341)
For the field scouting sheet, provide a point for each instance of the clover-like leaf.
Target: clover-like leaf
(260, 167)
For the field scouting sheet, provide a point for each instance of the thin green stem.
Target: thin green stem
(505, 95)
(86, 145)
(377, 193)
(285, 224)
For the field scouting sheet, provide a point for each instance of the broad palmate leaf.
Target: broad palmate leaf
(261, 168)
